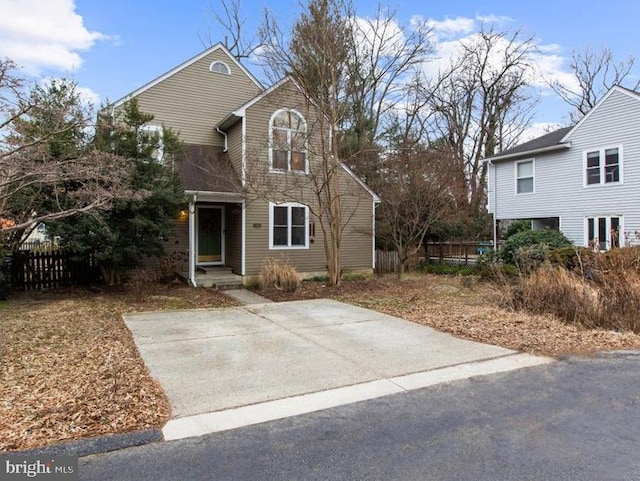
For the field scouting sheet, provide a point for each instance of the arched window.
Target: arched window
(287, 136)
(220, 67)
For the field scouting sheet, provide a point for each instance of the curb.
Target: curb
(96, 445)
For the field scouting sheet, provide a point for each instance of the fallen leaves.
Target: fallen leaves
(70, 368)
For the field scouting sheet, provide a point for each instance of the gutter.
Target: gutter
(498, 158)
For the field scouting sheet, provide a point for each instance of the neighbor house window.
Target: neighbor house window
(150, 142)
(288, 226)
(287, 139)
(603, 166)
(220, 67)
(603, 233)
(524, 177)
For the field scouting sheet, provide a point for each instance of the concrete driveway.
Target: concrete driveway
(225, 368)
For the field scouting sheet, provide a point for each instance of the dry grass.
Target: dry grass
(70, 368)
(468, 309)
(601, 291)
(278, 274)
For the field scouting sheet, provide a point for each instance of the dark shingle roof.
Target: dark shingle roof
(547, 140)
(205, 168)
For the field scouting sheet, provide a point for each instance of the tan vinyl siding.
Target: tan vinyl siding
(233, 237)
(357, 241)
(194, 100)
(176, 245)
(234, 144)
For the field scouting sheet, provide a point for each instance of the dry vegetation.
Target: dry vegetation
(70, 368)
(468, 309)
(278, 274)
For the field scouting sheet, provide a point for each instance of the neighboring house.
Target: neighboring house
(583, 180)
(248, 154)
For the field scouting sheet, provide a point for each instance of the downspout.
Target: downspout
(226, 140)
(192, 241)
(495, 203)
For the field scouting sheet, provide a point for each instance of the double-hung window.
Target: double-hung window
(288, 142)
(603, 233)
(288, 226)
(524, 177)
(603, 166)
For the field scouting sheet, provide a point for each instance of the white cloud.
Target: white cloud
(494, 19)
(451, 27)
(538, 129)
(88, 96)
(39, 34)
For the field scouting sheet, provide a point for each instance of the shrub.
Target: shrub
(521, 225)
(532, 246)
(278, 274)
(448, 269)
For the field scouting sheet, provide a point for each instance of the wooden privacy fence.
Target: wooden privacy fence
(386, 261)
(459, 251)
(33, 270)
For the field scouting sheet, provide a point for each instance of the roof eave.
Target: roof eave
(551, 148)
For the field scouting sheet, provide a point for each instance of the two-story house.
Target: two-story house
(583, 180)
(249, 173)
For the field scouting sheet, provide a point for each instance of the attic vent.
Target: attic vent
(220, 67)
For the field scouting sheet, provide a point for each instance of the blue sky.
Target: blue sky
(112, 47)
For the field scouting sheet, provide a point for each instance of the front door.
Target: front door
(210, 242)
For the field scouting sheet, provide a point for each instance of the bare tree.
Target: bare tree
(49, 168)
(316, 59)
(226, 14)
(594, 72)
(481, 102)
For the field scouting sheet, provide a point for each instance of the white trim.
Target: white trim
(243, 256)
(607, 218)
(373, 235)
(533, 175)
(602, 153)
(222, 260)
(289, 135)
(524, 153)
(192, 241)
(306, 226)
(361, 182)
(207, 196)
(242, 110)
(615, 88)
(243, 174)
(166, 75)
(219, 62)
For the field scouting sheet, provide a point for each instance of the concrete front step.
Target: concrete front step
(221, 281)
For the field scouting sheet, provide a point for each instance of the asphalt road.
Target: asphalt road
(577, 419)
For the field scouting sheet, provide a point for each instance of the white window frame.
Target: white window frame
(289, 205)
(601, 151)
(533, 176)
(289, 132)
(596, 220)
(217, 63)
(152, 129)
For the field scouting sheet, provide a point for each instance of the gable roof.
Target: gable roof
(616, 88)
(545, 143)
(192, 60)
(241, 111)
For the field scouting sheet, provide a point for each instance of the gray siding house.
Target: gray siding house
(584, 180)
(247, 170)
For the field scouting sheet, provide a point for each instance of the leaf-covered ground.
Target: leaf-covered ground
(468, 309)
(70, 368)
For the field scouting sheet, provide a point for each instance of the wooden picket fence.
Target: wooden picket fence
(36, 270)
